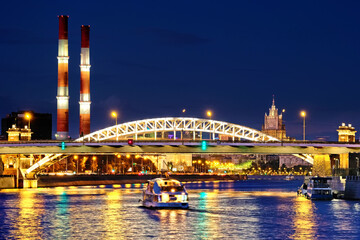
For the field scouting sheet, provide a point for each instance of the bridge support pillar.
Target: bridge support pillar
(30, 183)
(344, 161)
(322, 165)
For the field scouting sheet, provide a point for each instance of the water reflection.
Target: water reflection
(115, 213)
(304, 219)
(344, 222)
(113, 221)
(28, 222)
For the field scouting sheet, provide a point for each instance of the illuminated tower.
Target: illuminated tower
(346, 133)
(63, 81)
(85, 81)
(273, 124)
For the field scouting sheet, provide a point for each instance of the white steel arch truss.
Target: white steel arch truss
(173, 124)
(167, 125)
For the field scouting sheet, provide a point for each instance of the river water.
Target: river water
(253, 209)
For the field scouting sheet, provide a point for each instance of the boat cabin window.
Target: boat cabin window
(169, 188)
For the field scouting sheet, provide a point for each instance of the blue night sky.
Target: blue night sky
(154, 58)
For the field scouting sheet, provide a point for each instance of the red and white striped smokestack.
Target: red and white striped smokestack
(63, 81)
(85, 81)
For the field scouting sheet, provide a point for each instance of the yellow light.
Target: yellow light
(94, 158)
(28, 116)
(172, 190)
(165, 197)
(199, 161)
(127, 155)
(137, 156)
(209, 113)
(118, 156)
(184, 110)
(114, 114)
(303, 113)
(76, 157)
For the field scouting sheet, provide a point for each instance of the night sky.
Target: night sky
(154, 58)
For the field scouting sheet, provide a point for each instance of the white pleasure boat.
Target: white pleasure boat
(165, 193)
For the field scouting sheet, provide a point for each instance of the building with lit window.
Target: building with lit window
(346, 133)
(39, 123)
(273, 123)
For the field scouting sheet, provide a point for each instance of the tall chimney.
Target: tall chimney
(63, 80)
(85, 81)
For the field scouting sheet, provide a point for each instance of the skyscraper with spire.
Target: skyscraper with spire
(273, 123)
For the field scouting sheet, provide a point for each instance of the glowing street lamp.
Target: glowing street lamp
(115, 115)
(77, 163)
(28, 117)
(183, 124)
(209, 114)
(303, 115)
(93, 160)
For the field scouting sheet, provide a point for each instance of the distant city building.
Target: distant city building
(40, 124)
(291, 161)
(273, 124)
(346, 133)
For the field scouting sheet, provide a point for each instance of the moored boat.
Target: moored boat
(165, 193)
(317, 188)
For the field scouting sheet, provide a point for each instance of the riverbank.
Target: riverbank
(88, 180)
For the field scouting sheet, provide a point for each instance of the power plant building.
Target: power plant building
(85, 81)
(63, 81)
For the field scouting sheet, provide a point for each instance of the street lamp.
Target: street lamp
(303, 114)
(93, 160)
(115, 115)
(183, 124)
(209, 114)
(282, 127)
(28, 117)
(77, 165)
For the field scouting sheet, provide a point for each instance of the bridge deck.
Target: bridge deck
(158, 147)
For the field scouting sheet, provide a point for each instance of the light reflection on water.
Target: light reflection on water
(231, 212)
(303, 220)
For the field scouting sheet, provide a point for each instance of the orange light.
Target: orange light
(28, 116)
(114, 114)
